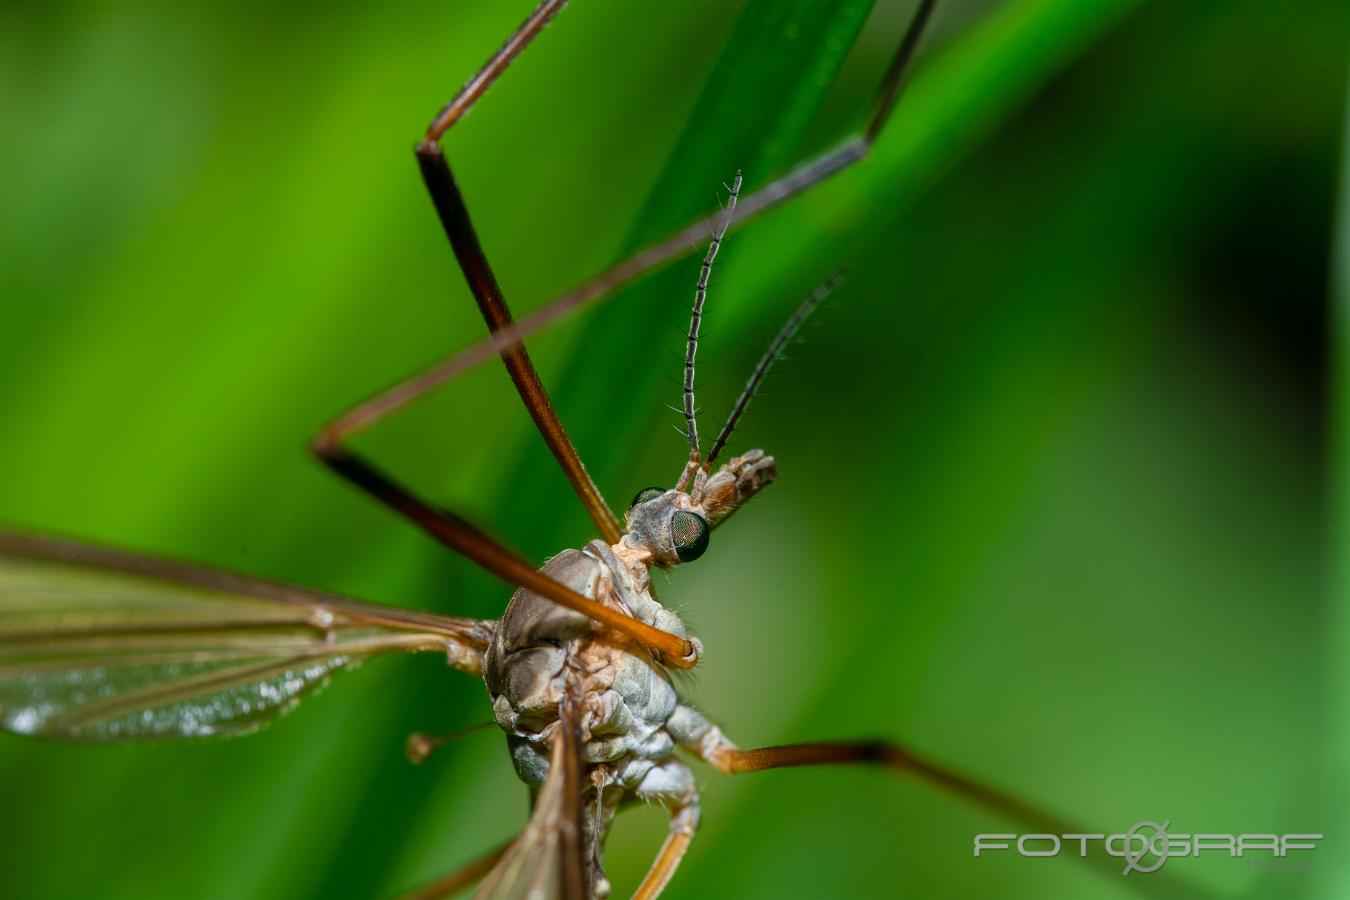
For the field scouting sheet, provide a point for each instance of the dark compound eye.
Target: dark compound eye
(690, 533)
(646, 494)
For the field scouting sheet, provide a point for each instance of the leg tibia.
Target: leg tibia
(684, 814)
(696, 733)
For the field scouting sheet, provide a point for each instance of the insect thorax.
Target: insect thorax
(626, 696)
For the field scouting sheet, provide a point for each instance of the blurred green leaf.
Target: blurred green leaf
(1334, 877)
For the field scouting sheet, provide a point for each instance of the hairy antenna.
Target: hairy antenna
(771, 355)
(696, 317)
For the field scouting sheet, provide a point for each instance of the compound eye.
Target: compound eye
(646, 494)
(690, 533)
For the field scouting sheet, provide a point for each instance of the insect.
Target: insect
(105, 645)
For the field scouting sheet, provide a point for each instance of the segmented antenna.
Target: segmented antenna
(696, 317)
(785, 334)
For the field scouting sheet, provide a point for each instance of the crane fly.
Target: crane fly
(103, 645)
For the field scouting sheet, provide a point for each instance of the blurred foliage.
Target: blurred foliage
(1334, 774)
(1053, 469)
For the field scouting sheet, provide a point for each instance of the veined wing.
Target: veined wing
(545, 862)
(103, 645)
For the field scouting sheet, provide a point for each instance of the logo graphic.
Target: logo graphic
(1155, 846)
(1147, 846)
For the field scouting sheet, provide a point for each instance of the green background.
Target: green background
(1056, 499)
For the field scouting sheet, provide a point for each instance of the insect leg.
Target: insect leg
(473, 261)
(458, 534)
(509, 335)
(459, 879)
(478, 85)
(694, 731)
(683, 823)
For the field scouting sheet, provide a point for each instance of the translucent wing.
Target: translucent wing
(545, 862)
(102, 645)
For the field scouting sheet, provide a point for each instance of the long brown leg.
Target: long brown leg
(457, 534)
(473, 261)
(683, 823)
(509, 335)
(478, 85)
(734, 761)
(459, 879)
(454, 215)
(723, 755)
(696, 733)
